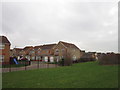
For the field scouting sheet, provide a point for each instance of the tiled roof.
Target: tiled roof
(47, 46)
(37, 47)
(27, 47)
(4, 39)
(18, 49)
(69, 45)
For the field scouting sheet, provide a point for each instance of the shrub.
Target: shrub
(67, 61)
(109, 58)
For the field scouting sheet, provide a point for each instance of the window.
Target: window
(56, 50)
(33, 58)
(74, 58)
(63, 50)
(28, 57)
(38, 51)
(2, 46)
(38, 57)
(47, 51)
(31, 52)
(1, 58)
(62, 57)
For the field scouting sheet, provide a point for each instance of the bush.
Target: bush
(86, 59)
(109, 58)
(61, 62)
(67, 61)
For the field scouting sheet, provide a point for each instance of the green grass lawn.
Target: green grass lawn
(14, 65)
(80, 75)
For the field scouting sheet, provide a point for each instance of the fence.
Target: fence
(27, 65)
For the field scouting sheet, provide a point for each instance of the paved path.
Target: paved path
(33, 66)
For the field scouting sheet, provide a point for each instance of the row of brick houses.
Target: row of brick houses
(49, 52)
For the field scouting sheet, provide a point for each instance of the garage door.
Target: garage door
(51, 59)
(46, 59)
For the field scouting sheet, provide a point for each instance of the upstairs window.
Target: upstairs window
(32, 52)
(47, 51)
(38, 51)
(56, 50)
(63, 50)
(2, 46)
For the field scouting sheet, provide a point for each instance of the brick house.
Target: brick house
(25, 52)
(64, 49)
(49, 52)
(38, 52)
(16, 52)
(11, 52)
(31, 54)
(4, 49)
(45, 52)
(21, 52)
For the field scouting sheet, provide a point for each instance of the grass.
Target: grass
(80, 75)
(14, 65)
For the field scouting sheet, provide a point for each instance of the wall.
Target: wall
(6, 52)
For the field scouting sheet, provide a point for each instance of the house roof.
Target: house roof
(4, 39)
(27, 47)
(69, 45)
(37, 47)
(43, 47)
(18, 49)
(48, 46)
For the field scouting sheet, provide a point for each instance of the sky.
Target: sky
(92, 25)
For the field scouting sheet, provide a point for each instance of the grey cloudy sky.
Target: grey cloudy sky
(90, 24)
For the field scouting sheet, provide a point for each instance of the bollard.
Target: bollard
(38, 63)
(25, 65)
(10, 67)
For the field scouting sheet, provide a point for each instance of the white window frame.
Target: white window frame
(2, 46)
(62, 50)
(74, 58)
(37, 57)
(57, 50)
(39, 51)
(33, 57)
(32, 52)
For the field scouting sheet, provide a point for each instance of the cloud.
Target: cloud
(90, 25)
